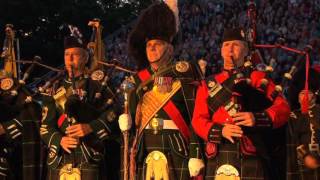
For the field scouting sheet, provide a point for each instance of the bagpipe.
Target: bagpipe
(20, 113)
(15, 96)
(258, 63)
(274, 139)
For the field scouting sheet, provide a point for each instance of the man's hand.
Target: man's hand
(230, 130)
(311, 162)
(2, 131)
(78, 130)
(244, 119)
(68, 143)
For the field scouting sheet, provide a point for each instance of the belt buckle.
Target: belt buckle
(156, 124)
(227, 172)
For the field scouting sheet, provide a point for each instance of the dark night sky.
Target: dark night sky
(37, 23)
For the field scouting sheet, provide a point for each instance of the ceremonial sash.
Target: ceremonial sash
(156, 101)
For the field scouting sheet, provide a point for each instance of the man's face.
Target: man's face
(155, 49)
(311, 97)
(235, 50)
(77, 57)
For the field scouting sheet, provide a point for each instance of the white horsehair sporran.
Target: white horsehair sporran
(157, 166)
(227, 172)
(67, 172)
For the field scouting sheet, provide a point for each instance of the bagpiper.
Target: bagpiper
(233, 110)
(20, 145)
(303, 130)
(79, 115)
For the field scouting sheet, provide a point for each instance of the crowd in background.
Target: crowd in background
(202, 23)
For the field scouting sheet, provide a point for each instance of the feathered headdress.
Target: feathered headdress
(159, 21)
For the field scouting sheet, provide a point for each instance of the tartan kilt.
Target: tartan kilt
(295, 170)
(306, 174)
(292, 160)
(32, 151)
(249, 167)
(89, 170)
(167, 142)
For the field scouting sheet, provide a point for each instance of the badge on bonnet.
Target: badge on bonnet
(6, 83)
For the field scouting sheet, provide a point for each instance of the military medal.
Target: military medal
(163, 84)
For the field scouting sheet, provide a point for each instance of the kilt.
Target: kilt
(89, 171)
(295, 170)
(167, 142)
(306, 174)
(249, 167)
(112, 160)
(292, 160)
(32, 151)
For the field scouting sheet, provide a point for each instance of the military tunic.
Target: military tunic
(303, 139)
(177, 144)
(86, 107)
(214, 107)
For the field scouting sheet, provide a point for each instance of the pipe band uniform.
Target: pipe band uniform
(233, 115)
(20, 118)
(162, 102)
(77, 123)
(303, 130)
